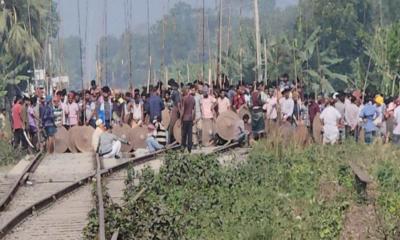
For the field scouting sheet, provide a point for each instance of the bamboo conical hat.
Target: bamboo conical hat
(271, 126)
(124, 132)
(243, 110)
(71, 143)
(61, 139)
(361, 136)
(178, 131)
(207, 131)
(138, 137)
(165, 117)
(83, 138)
(301, 134)
(225, 124)
(317, 128)
(286, 132)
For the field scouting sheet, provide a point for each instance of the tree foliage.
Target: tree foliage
(25, 25)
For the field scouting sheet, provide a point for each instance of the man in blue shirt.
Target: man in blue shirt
(155, 105)
(368, 114)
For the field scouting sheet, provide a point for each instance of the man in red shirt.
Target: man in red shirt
(188, 115)
(17, 124)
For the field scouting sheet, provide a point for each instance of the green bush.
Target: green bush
(7, 154)
(290, 193)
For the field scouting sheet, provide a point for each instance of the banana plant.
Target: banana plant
(11, 73)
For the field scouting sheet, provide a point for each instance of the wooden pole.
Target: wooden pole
(219, 44)
(210, 78)
(228, 41)
(257, 26)
(240, 43)
(148, 46)
(166, 76)
(149, 75)
(265, 62)
(188, 72)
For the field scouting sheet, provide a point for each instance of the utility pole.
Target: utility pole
(257, 26)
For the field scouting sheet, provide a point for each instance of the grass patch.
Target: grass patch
(8, 155)
(278, 193)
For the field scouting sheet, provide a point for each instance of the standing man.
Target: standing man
(330, 118)
(197, 127)
(396, 130)
(341, 107)
(17, 124)
(270, 106)
(287, 105)
(188, 115)
(368, 114)
(176, 106)
(208, 103)
(90, 110)
(223, 103)
(156, 105)
(104, 107)
(351, 117)
(50, 121)
(72, 111)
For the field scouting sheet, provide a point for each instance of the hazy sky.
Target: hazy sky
(115, 13)
(93, 11)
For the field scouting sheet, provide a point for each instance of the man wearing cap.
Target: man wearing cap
(380, 121)
(368, 114)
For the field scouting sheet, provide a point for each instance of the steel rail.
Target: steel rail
(22, 178)
(45, 202)
(100, 201)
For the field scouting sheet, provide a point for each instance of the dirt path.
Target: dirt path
(360, 223)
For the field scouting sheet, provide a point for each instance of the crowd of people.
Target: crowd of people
(343, 115)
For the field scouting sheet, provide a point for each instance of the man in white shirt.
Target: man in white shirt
(270, 106)
(351, 117)
(330, 118)
(287, 105)
(341, 107)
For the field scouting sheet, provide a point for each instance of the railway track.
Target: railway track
(56, 205)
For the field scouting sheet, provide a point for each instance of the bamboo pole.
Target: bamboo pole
(188, 72)
(257, 28)
(210, 78)
(240, 43)
(149, 75)
(219, 44)
(265, 62)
